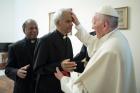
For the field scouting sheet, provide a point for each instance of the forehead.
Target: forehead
(67, 15)
(31, 23)
(96, 16)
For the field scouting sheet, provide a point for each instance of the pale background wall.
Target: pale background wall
(14, 12)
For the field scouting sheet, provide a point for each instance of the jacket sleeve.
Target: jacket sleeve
(81, 55)
(11, 68)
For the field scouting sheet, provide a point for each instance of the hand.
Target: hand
(58, 74)
(68, 66)
(22, 72)
(75, 19)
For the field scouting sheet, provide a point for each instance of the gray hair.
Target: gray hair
(59, 15)
(112, 21)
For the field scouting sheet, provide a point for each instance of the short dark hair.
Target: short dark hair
(26, 22)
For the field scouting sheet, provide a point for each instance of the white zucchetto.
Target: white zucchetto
(108, 10)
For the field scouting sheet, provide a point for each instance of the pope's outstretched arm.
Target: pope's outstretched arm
(82, 34)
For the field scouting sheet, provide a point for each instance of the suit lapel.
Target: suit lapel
(27, 48)
(58, 43)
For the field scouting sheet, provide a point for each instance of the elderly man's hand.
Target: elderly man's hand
(68, 65)
(75, 19)
(58, 74)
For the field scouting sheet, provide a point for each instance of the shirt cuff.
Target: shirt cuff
(64, 81)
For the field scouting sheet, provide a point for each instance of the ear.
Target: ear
(58, 23)
(106, 25)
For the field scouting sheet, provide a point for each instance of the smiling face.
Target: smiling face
(31, 29)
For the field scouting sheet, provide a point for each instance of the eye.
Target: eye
(67, 21)
(33, 28)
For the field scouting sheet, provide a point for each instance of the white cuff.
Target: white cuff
(64, 87)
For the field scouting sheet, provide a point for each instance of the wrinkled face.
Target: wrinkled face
(31, 30)
(65, 24)
(98, 25)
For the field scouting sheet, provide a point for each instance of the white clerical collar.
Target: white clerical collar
(32, 41)
(64, 37)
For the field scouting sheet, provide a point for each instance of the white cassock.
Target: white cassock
(110, 69)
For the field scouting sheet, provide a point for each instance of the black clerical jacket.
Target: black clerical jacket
(19, 55)
(51, 50)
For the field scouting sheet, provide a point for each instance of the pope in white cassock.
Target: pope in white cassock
(110, 69)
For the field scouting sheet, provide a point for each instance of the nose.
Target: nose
(35, 29)
(71, 24)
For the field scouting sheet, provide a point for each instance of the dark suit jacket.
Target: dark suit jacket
(19, 55)
(81, 55)
(52, 49)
